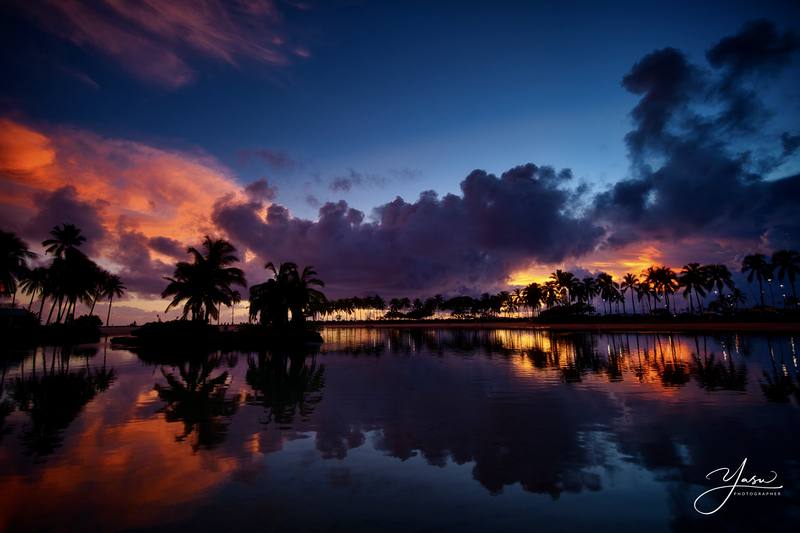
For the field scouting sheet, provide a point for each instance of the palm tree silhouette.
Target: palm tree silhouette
(608, 289)
(757, 266)
(719, 277)
(34, 282)
(787, 263)
(112, 286)
(63, 237)
(206, 282)
(287, 290)
(533, 294)
(694, 280)
(13, 266)
(664, 280)
(565, 285)
(630, 282)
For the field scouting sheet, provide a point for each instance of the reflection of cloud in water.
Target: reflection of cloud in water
(569, 417)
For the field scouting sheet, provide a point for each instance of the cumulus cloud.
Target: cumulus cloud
(433, 243)
(261, 190)
(157, 41)
(690, 174)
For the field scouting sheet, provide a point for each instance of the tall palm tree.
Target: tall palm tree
(630, 282)
(112, 286)
(664, 280)
(533, 296)
(719, 277)
(63, 237)
(608, 289)
(590, 289)
(787, 263)
(14, 254)
(207, 281)
(757, 266)
(694, 280)
(565, 285)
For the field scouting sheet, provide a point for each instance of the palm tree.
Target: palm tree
(663, 279)
(289, 290)
(533, 294)
(33, 283)
(13, 266)
(630, 282)
(590, 289)
(719, 277)
(207, 281)
(63, 237)
(787, 263)
(757, 266)
(565, 284)
(608, 289)
(112, 286)
(693, 279)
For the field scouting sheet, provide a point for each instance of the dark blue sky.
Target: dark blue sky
(412, 96)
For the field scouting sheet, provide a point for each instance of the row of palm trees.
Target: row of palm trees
(207, 282)
(654, 290)
(69, 279)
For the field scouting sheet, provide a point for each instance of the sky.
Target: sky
(404, 148)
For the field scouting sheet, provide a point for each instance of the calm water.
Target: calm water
(403, 430)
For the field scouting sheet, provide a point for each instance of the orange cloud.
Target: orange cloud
(636, 257)
(146, 472)
(143, 188)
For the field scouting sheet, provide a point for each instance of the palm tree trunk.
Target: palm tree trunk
(108, 316)
(94, 302)
(60, 309)
(52, 308)
(633, 302)
(761, 290)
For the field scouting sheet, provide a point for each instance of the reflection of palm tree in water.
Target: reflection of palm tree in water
(6, 405)
(198, 400)
(778, 386)
(54, 398)
(285, 385)
(713, 374)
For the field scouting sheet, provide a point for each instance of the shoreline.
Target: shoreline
(750, 327)
(771, 327)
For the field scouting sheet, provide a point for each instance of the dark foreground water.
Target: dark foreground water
(405, 430)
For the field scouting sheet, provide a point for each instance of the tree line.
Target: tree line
(208, 281)
(653, 291)
(69, 278)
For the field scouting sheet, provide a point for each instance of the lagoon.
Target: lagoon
(395, 429)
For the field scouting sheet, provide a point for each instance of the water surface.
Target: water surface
(402, 430)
